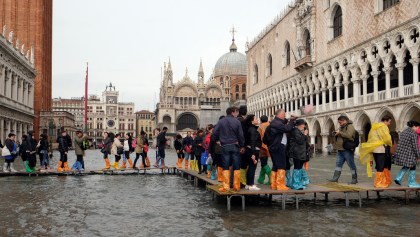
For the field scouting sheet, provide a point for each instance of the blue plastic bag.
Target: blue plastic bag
(204, 157)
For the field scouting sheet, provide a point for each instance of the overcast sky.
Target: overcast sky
(126, 42)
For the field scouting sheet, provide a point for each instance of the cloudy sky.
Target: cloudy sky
(126, 42)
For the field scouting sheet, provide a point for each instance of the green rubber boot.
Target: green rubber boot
(262, 176)
(267, 171)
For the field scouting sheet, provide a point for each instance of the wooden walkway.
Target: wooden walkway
(312, 189)
(129, 171)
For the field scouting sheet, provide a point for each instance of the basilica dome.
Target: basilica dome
(232, 63)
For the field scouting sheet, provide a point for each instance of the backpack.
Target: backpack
(351, 145)
(267, 136)
(133, 145)
(84, 145)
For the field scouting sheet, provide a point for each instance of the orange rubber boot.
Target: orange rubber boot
(388, 178)
(273, 180)
(220, 174)
(59, 169)
(179, 164)
(130, 162)
(226, 181)
(107, 164)
(66, 166)
(236, 180)
(380, 180)
(124, 165)
(281, 180)
(186, 164)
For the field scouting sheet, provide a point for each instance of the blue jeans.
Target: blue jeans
(45, 158)
(187, 155)
(343, 156)
(231, 155)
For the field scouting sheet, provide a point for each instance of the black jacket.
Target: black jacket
(44, 145)
(214, 148)
(278, 128)
(161, 140)
(187, 141)
(229, 131)
(198, 145)
(64, 143)
(298, 145)
(253, 139)
(178, 145)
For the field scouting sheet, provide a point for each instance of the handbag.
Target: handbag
(120, 150)
(5, 151)
(146, 148)
(187, 149)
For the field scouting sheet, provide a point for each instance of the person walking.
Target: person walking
(243, 110)
(279, 128)
(44, 151)
(22, 149)
(229, 134)
(198, 148)
(9, 153)
(379, 141)
(31, 153)
(187, 147)
(345, 153)
(298, 151)
(64, 143)
(127, 150)
(161, 145)
(140, 150)
(179, 150)
(117, 150)
(407, 154)
(80, 145)
(264, 154)
(106, 149)
(253, 145)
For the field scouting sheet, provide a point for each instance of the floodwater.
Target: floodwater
(167, 205)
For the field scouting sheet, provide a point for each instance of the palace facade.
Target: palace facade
(358, 58)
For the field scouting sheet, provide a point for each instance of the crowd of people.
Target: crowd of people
(230, 151)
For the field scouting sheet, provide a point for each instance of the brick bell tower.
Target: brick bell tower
(31, 23)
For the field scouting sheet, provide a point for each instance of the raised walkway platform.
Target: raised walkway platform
(312, 189)
(128, 171)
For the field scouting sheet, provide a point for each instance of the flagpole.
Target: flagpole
(86, 94)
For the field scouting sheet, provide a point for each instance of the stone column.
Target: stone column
(311, 98)
(8, 86)
(31, 97)
(330, 89)
(2, 81)
(313, 139)
(346, 88)
(14, 87)
(2, 136)
(415, 63)
(337, 92)
(20, 89)
(387, 71)
(25, 93)
(375, 75)
(14, 127)
(364, 78)
(400, 67)
(324, 142)
(317, 100)
(8, 127)
(287, 107)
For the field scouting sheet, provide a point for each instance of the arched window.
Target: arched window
(338, 22)
(307, 38)
(287, 53)
(243, 97)
(389, 3)
(237, 88)
(255, 74)
(243, 87)
(237, 96)
(269, 65)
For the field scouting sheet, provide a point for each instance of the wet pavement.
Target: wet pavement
(167, 205)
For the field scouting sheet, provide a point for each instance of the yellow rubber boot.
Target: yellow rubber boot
(281, 180)
(226, 181)
(243, 176)
(236, 180)
(115, 165)
(192, 164)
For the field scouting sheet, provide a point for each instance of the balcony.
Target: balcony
(304, 63)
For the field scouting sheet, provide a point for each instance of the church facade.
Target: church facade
(187, 105)
(358, 58)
